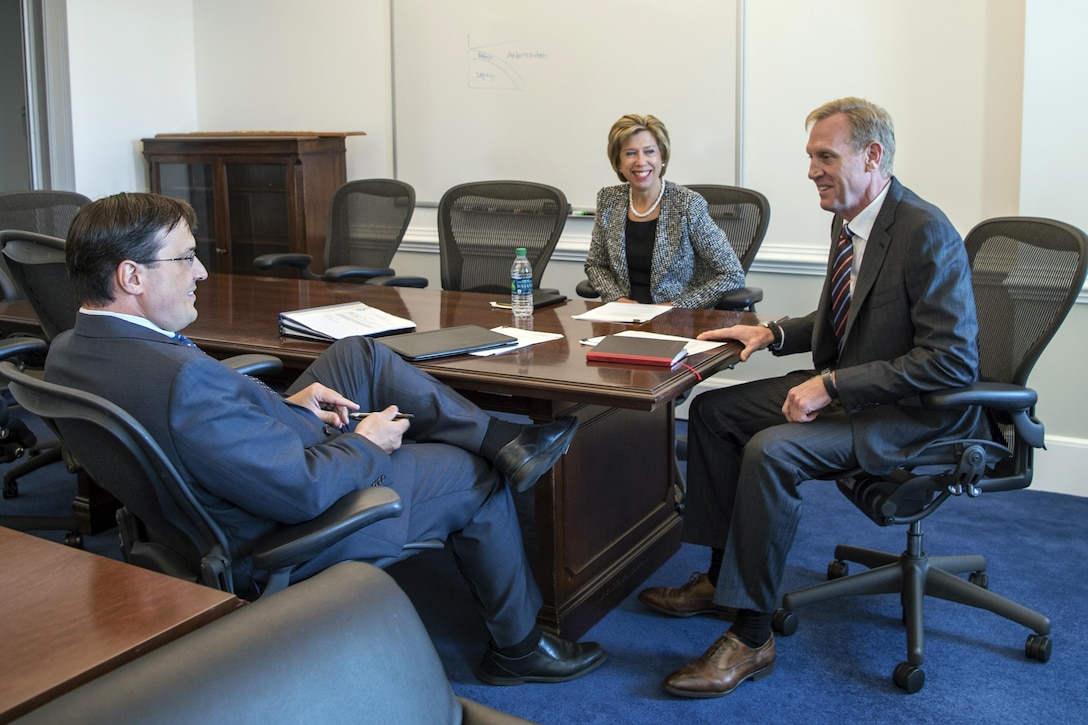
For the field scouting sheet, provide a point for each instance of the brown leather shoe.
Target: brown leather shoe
(721, 668)
(695, 597)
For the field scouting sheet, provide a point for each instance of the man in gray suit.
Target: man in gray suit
(257, 459)
(896, 318)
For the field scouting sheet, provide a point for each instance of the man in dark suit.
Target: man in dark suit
(896, 318)
(258, 459)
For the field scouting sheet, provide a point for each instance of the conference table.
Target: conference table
(606, 516)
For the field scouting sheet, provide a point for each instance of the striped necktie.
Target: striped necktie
(841, 270)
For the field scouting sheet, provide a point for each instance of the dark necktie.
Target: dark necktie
(840, 282)
(183, 339)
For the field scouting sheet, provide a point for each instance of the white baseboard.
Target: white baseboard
(1059, 469)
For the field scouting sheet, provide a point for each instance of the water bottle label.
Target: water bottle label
(521, 286)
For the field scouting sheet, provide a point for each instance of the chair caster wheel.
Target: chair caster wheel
(784, 622)
(979, 579)
(1038, 647)
(908, 677)
(11, 490)
(837, 569)
(74, 539)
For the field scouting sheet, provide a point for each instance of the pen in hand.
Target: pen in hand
(398, 416)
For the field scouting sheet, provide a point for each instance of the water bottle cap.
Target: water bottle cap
(521, 251)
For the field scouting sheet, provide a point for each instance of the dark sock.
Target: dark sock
(523, 647)
(715, 565)
(499, 433)
(751, 627)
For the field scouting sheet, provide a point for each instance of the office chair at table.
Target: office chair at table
(163, 525)
(35, 264)
(40, 211)
(367, 221)
(481, 224)
(1026, 275)
(743, 214)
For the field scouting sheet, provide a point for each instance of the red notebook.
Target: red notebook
(634, 350)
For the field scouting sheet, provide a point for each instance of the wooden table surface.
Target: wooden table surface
(69, 616)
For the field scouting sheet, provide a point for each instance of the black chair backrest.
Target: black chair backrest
(367, 221)
(743, 214)
(36, 264)
(119, 454)
(481, 224)
(1026, 273)
(43, 212)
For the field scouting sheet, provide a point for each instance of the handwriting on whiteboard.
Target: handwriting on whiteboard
(503, 66)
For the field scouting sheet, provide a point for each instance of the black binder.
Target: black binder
(445, 342)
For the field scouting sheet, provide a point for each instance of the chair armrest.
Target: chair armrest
(298, 261)
(22, 345)
(742, 298)
(403, 280)
(255, 364)
(347, 272)
(291, 545)
(1016, 400)
(1000, 396)
(585, 289)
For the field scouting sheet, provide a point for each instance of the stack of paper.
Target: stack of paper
(335, 322)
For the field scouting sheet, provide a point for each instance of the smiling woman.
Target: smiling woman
(654, 241)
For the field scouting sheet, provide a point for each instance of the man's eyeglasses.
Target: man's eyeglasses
(188, 259)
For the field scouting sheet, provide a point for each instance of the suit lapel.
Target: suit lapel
(876, 249)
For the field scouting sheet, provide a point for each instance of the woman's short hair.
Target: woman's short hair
(110, 230)
(627, 127)
(868, 122)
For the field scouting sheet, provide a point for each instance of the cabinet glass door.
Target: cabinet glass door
(195, 183)
(257, 199)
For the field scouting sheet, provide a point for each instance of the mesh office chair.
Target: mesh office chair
(36, 265)
(743, 214)
(43, 212)
(162, 525)
(367, 221)
(481, 224)
(1026, 275)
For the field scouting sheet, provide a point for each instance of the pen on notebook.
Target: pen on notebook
(398, 416)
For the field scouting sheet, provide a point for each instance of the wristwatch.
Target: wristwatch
(776, 330)
(829, 383)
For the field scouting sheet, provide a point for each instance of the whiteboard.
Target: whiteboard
(520, 89)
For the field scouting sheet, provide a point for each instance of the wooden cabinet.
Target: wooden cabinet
(254, 193)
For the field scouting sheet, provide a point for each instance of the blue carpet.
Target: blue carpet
(837, 667)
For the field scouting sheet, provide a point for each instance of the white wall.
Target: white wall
(286, 65)
(926, 61)
(133, 74)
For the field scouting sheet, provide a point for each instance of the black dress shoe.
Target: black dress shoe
(533, 453)
(553, 660)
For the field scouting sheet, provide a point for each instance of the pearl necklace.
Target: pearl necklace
(648, 212)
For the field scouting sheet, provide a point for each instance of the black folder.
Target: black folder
(445, 342)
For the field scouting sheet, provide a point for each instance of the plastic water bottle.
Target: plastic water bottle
(521, 285)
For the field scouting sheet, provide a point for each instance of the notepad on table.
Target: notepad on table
(637, 351)
(621, 312)
(335, 322)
